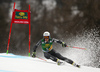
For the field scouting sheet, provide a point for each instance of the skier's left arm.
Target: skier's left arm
(60, 42)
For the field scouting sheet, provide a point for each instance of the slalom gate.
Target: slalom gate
(20, 17)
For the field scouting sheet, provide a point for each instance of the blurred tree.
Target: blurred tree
(59, 3)
(3, 32)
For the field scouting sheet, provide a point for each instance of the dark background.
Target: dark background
(76, 22)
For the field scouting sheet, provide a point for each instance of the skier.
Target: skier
(49, 52)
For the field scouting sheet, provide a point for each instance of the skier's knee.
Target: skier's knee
(46, 56)
(58, 55)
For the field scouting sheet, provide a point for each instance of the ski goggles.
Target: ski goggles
(46, 37)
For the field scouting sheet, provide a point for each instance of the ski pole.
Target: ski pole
(76, 47)
(41, 59)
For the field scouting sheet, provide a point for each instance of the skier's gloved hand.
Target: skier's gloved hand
(64, 44)
(34, 54)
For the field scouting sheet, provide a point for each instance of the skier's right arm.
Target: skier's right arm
(34, 48)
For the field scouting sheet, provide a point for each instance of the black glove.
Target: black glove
(64, 44)
(34, 54)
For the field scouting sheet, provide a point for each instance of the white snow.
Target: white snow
(15, 63)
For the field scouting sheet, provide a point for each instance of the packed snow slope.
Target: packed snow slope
(15, 63)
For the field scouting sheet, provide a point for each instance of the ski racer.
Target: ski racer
(49, 52)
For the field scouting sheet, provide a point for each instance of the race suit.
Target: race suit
(49, 52)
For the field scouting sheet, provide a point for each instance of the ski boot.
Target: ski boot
(76, 65)
(59, 62)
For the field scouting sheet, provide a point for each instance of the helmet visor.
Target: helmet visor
(46, 37)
